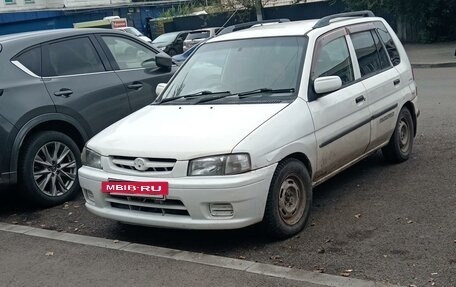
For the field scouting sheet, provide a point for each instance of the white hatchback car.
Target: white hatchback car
(252, 122)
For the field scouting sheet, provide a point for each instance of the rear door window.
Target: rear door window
(383, 57)
(366, 53)
(389, 44)
(31, 59)
(73, 57)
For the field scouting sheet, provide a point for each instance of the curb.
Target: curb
(319, 279)
(434, 65)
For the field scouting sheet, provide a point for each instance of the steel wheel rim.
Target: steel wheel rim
(292, 200)
(54, 169)
(404, 136)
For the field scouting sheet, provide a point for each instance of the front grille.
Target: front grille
(150, 164)
(149, 205)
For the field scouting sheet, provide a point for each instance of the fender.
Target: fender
(23, 132)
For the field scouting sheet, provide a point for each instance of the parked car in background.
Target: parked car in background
(58, 88)
(197, 36)
(254, 120)
(133, 31)
(179, 59)
(171, 43)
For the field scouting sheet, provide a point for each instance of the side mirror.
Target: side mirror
(164, 61)
(329, 84)
(159, 89)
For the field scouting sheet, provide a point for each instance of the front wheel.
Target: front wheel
(48, 168)
(289, 200)
(400, 145)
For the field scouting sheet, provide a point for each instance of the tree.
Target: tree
(435, 18)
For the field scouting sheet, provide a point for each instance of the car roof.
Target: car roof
(295, 28)
(47, 35)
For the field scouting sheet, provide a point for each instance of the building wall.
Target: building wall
(20, 5)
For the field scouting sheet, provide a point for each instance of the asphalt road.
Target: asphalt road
(389, 223)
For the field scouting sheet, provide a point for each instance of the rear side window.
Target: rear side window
(389, 44)
(31, 59)
(73, 57)
(366, 53)
(333, 59)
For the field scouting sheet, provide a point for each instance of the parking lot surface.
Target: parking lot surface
(389, 223)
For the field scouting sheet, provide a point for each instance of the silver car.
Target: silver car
(198, 36)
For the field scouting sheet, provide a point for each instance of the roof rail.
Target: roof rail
(247, 25)
(325, 21)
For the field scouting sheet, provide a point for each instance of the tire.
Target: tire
(400, 145)
(49, 179)
(286, 214)
(172, 52)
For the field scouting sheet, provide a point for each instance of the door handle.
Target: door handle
(135, 86)
(63, 93)
(397, 82)
(360, 99)
(1, 92)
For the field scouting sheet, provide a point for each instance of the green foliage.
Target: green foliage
(435, 17)
(180, 10)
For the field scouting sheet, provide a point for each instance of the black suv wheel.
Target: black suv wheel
(48, 168)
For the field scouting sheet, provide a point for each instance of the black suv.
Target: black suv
(58, 88)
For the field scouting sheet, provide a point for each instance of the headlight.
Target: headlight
(91, 158)
(220, 165)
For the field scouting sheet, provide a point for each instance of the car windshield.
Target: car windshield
(240, 66)
(165, 38)
(198, 35)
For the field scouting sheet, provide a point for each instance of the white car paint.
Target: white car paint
(267, 132)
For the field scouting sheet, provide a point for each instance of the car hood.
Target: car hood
(182, 132)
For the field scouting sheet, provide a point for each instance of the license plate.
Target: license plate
(149, 189)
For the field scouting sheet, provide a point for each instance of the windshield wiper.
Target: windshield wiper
(265, 91)
(195, 95)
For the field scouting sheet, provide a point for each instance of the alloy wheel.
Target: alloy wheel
(54, 169)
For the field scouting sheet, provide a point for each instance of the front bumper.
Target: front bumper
(247, 193)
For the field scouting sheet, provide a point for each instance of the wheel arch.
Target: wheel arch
(411, 107)
(47, 122)
(302, 158)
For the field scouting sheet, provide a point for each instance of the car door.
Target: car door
(341, 118)
(81, 85)
(381, 80)
(134, 63)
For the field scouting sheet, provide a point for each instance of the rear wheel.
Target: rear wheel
(400, 145)
(172, 52)
(289, 200)
(48, 168)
